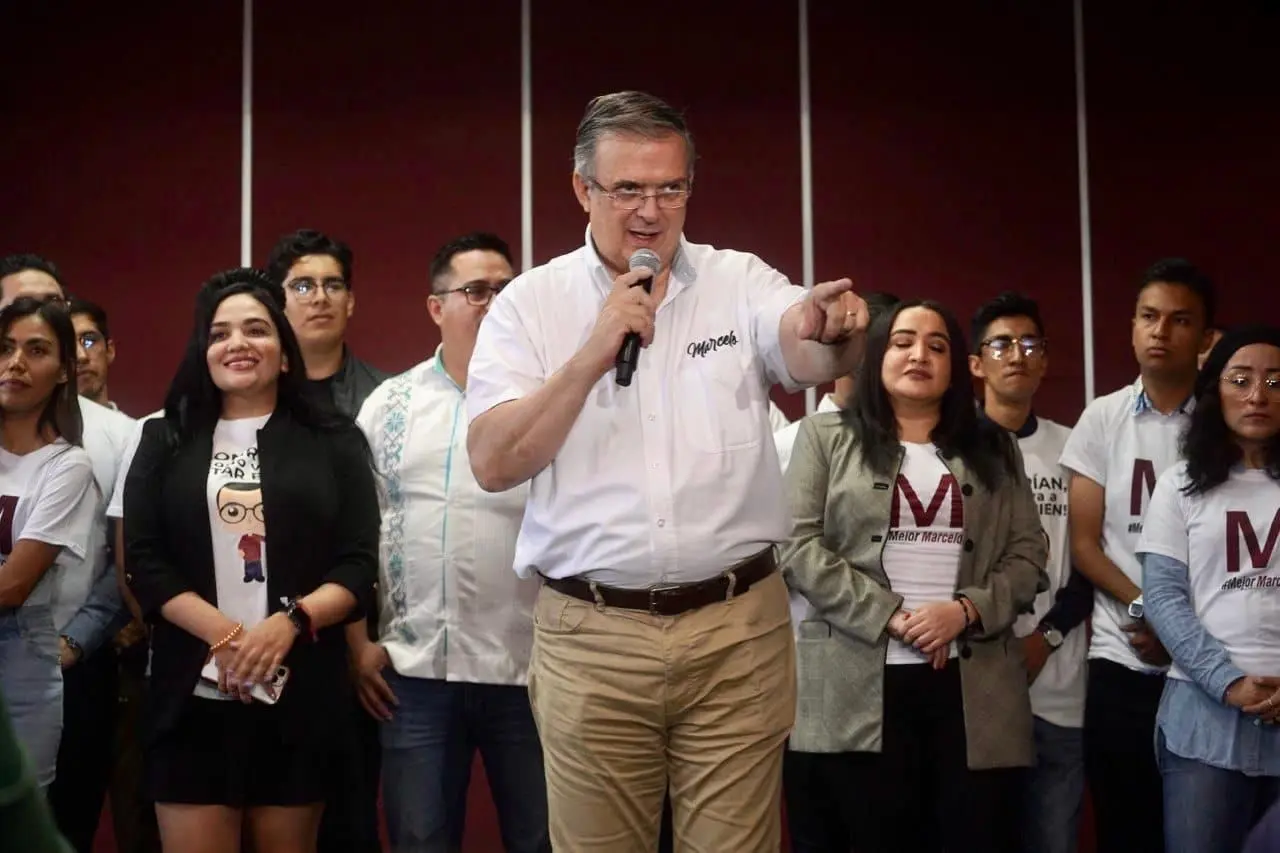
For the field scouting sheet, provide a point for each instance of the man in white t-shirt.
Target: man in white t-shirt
(88, 608)
(447, 671)
(1120, 445)
(655, 499)
(1010, 356)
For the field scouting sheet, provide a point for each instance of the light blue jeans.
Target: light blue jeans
(31, 681)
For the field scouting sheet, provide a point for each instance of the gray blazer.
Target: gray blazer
(841, 513)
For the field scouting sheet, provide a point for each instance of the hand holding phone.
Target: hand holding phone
(268, 693)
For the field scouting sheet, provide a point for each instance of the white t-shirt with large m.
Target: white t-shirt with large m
(922, 551)
(1124, 445)
(1227, 537)
(237, 526)
(49, 496)
(1057, 694)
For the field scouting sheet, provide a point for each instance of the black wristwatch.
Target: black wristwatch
(300, 618)
(1052, 636)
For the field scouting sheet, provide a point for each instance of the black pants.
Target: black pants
(133, 814)
(350, 820)
(917, 795)
(1120, 758)
(87, 747)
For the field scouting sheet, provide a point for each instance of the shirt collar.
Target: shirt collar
(1142, 403)
(682, 269)
(1028, 428)
(437, 367)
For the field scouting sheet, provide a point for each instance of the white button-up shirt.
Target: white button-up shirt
(450, 605)
(672, 479)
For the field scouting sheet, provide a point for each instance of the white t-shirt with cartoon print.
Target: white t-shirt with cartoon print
(237, 526)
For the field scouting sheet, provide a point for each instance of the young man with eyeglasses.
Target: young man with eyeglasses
(446, 675)
(88, 607)
(1122, 443)
(315, 271)
(95, 350)
(1010, 356)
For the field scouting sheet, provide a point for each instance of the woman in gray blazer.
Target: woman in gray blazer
(917, 542)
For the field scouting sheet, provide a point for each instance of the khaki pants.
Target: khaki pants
(625, 701)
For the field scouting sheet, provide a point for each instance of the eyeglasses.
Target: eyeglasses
(633, 198)
(307, 289)
(89, 340)
(1001, 346)
(478, 295)
(1242, 384)
(234, 513)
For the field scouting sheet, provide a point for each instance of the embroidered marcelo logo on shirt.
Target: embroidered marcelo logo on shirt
(700, 349)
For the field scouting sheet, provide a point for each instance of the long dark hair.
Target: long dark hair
(193, 403)
(984, 447)
(62, 410)
(1208, 445)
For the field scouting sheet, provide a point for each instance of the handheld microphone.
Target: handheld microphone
(629, 352)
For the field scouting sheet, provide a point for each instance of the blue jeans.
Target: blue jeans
(1208, 809)
(31, 681)
(427, 750)
(1055, 790)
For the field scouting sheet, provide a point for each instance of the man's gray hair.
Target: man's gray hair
(628, 113)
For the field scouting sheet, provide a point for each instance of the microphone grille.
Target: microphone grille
(646, 259)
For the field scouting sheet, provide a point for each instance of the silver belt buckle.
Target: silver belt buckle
(653, 596)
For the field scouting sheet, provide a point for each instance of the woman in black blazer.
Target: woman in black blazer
(251, 532)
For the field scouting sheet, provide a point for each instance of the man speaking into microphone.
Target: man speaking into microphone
(663, 650)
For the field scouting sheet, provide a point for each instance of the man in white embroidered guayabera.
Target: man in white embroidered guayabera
(446, 674)
(662, 639)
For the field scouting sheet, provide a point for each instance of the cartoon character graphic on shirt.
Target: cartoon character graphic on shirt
(240, 511)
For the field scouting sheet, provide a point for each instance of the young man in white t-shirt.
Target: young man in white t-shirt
(1010, 356)
(1121, 444)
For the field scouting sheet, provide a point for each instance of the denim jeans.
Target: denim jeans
(31, 681)
(1208, 809)
(1055, 790)
(427, 750)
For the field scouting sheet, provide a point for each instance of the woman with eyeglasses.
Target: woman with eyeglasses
(917, 543)
(251, 531)
(1211, 590)
(47, 505)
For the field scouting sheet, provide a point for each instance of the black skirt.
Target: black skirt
(228, 753)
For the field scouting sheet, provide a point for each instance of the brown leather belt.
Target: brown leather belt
(673, 599)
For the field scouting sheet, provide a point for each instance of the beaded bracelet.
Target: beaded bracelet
(235, 632)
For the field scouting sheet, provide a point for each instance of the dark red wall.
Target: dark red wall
(944, 154)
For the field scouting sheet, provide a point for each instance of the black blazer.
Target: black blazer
(321, 507)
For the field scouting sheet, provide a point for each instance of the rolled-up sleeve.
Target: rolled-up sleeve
(505, 364)
(769, 295)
